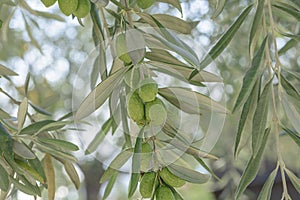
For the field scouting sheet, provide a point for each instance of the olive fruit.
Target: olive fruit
(146, 156)
(122, 49)
(148, 90)
(170, 178)
(135, 108)
(164, 193)
(48, 3)
(144, 4)
(83, 9)
(147, 184)
(68, 6)
(155, 112)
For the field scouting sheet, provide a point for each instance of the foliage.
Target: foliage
(144, 46)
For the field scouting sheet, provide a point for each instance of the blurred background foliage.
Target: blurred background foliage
(52, 47)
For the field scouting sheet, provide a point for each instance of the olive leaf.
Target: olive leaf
(23, 150)
(116, 164)
(136, 160)
(175, 3)
(260, 118)
(223, 41)
(289, 88)
(72, 173)
(59, 144)
(50, 175)
(5, 71)
(293, 135)
(246, 115)
(250, 77)
(288, 8)
(35, 127)
(99, 95)
(27, 189)
(4, 181)
(257, 20)
(252, 167)
(40, 110)
(110, 185)
(190, 101)
(294, 179)
(188, 174)
(99, 136)
(291, 113)
(265, 193)
(219, 8)
(22, 111)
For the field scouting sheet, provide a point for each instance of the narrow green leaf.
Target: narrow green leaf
(292, 113)
(251, 77)
(205, 166)
(163, 56)
(124, 117)
(174, 23)
(294, 179)
(183, 73)
(5, 71)
(24, 188)
(72, 173)
(257, 20)
(50, 175)
(22, 111)
(110, 185)
(50, 16)
(40, 110)
(188, 174)
(37, 166)
(33, 41)
(59, 143)
(260, 118)
(29, 171)
(23, 150)
(291, 43)
(26, 85)
(190, 101)
(1, 22)
(3, 114)
(224, 40)
(295, 136)
(219, 8)
(136, 160)
(4, 182)
(55, 152)
(35, 127)
(289, 88)
(99, 136)
(175, 3)
(252, 167)
(99, 95)
(246, 115)
(53, 126)
(116, 164)
(135, 45)
(176, 194)
(97, 25)
(287, 8)
(33, 186)
(266, 191)
(6, 146)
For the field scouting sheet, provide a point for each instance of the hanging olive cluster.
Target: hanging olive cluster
(144, 107)
(161, 185)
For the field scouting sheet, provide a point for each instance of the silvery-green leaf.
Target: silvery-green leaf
(294, 179)
(23, 150)
(5, 71)
(266, 191)
(22, 111)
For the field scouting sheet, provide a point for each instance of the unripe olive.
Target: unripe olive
(48, 3)
(156, 113)
(135, 108)
(146, 156)
(144, 4)
(83, 9)
(122, 49)
(164, 193)
(147, 184)
(170, 178)
(67, 6)
(148, 90)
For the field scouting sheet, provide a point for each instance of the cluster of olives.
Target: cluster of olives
(79, 8)
(161, 184)
(144, 107)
